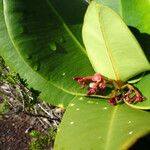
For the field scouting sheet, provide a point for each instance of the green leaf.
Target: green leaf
(137, 78)
(44, 47)
(136, 14)
(111, 47)
(91, 124)
(144, 87)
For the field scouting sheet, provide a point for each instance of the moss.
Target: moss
(4, 108)
(41, 141)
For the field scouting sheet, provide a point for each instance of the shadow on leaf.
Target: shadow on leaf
(141, 143)
(143, 39)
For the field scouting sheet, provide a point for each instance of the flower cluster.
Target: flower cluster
(131, 97)
(97, 83)
(94, 83)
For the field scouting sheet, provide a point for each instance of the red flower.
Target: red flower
(97, 83)
(94, 83)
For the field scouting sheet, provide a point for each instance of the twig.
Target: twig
(45, 111)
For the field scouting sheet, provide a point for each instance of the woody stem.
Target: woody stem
(131, 88)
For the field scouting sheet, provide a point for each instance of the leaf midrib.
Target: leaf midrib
(65, 26)
(16, 48)
(110, 128)
(115, 72)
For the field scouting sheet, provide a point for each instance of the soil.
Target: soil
(15, 129)
(13, 133)
(24, 112)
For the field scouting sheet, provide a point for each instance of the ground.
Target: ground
(13, 134)
(26, 122)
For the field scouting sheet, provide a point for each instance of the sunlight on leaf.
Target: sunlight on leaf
(93, 124)
(111, 47)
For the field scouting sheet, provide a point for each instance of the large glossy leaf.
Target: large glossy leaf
(45, 47)
(134, 13)
(111, 47)
(144, 87)
(94, 125)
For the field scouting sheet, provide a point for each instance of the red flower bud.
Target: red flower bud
(97, 77)
(91, 91)
(112, 101)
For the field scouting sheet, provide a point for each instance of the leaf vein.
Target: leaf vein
(110, 128)
(108, 49)
(16, 48)
(66, 27)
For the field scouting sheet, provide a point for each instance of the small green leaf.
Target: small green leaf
(144, 87)
(111, 47)
(91, 124)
